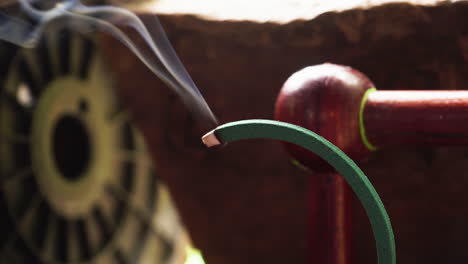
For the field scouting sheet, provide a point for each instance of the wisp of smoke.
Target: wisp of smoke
(158, 55)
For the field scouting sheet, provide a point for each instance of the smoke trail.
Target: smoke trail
(158, 55)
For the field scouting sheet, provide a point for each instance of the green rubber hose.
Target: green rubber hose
(257, 128)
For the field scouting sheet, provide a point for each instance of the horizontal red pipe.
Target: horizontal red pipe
(417, 118)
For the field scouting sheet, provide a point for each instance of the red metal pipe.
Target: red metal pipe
(418, 118)
(330, 218)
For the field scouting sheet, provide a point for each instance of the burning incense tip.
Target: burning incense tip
(210, 139)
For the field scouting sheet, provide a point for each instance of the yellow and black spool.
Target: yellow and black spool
(77, 184)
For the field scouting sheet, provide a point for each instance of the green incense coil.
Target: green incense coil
(360, 184)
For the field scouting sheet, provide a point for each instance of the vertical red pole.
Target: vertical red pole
(330, 218)
(315, 236)
(340, 219)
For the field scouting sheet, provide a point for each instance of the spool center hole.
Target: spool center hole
(71, 147)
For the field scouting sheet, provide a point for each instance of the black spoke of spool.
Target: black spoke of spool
(8, 244)
(23, 125)
(152, 189)
(6, 57)
(104, 227)
(128, 139)
(21, 254)
(28, 77)
(28, 193)
(108, 207)
(119, 257)
(147, 227)
(23, 116)
(40, 226)
(121, 195)
(43, 56)
(167, 248)
(139, 243)
(22, 155)
(61, 239)
(14, 103)
(144, 217)
(83, 239)
(127, 176)
(64, 52)
(6, 225)
(120, 205)
(85, 58)
(120, 211)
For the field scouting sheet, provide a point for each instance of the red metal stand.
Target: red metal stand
(326, 99)
(329, 100)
